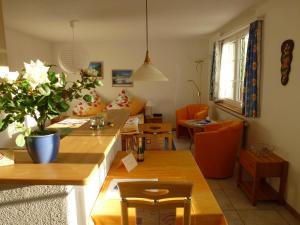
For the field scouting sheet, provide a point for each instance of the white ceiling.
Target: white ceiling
(120, 19)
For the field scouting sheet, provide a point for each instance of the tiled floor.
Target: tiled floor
(236, 207)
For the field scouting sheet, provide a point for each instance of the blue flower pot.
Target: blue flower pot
(43, 148)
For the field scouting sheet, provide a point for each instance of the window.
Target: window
(232, 69)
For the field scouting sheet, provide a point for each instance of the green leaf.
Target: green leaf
(44, 90)
(57, 98)
(20, 140)
(52, 77)
(88, 98)
(63, 106)
(27, 131)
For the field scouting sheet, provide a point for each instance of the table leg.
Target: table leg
(255, 188)
(170, 142)
(191, 134)
(283, 180)
(239, 176)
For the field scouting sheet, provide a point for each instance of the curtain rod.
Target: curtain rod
(224, 35)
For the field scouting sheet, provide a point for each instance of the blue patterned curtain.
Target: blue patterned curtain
(213, 76)
(252, 72)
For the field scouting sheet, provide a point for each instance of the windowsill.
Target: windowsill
(225, 104)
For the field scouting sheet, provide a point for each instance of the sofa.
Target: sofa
(216, 148)
(189, 112)
(135, 106)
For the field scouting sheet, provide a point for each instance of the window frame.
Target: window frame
(232, 104)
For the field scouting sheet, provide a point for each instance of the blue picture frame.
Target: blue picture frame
(99, 67)
(122, 78)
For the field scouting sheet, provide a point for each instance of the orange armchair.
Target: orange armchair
(216, 148)
(189, 112)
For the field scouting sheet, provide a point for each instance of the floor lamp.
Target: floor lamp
(197, 88)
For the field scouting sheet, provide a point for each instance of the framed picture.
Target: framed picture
(122, 78)
(97, 66)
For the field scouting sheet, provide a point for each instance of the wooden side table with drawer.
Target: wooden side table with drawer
(155, 118)
(260, 167)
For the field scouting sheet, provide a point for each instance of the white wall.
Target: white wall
(278, 124)
(22, 47)
(175, 58)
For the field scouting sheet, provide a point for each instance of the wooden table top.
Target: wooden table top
(263, 157)
(116, 117)
(78, 159)
(166, 166)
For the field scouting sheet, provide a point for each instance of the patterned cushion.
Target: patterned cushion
(82, 108)
(122, 101)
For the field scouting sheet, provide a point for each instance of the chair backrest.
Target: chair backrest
(159, 141)
(193, 109)
(156, 195)
(157, 136)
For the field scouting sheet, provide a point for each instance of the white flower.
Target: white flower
(10, 77)
(36, 73)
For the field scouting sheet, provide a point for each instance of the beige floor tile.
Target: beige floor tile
(232, 217)
(222, 199)
(181, 143)
(288, 216)
(228, 183)
(213, 184)
(240, 201)
(261, 217)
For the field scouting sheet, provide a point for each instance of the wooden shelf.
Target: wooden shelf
(265, 191)
(260, 168)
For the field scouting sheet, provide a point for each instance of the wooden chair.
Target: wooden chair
(157, 141)
(156, 195)
(156, 135)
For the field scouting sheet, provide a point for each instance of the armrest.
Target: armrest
(202, 114)
(213, 127)
(181, 114)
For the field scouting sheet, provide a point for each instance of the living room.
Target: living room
(181, 42)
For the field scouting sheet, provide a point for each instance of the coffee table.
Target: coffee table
(194, 126)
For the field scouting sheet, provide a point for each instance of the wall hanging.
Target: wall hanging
(287, 48)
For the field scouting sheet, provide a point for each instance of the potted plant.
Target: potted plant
(40, 92)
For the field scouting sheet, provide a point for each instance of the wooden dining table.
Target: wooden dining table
(164, 166)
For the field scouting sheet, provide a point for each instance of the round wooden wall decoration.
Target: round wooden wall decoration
(287, 48)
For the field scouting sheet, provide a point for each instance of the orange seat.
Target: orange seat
(189, 112)
(216, 148)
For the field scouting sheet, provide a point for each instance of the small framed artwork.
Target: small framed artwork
(99, 67)
(122, 78)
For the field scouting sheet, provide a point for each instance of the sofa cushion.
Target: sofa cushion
(122, 101)
(136, 106)
(83, 108)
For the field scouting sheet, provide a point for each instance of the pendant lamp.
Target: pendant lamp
(66, 58)
(147, 72)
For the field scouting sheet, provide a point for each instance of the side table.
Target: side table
(261, 167)
(154, 118)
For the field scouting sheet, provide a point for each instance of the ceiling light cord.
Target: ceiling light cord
(147, 58)
(147, 32)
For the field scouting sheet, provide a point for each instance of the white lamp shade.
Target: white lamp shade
(147, 72)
